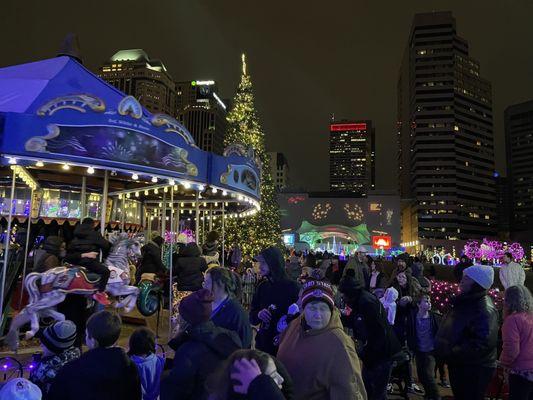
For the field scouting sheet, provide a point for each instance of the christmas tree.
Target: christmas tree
(261, 230)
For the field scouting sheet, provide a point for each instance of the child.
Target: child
(149, 365)
(421, 331)
(389, 303)
(104, 372)
(57, 342)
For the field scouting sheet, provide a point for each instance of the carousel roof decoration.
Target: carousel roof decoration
(59, 119)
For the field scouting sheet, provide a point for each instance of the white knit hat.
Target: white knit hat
(483, 275)
(20, 389)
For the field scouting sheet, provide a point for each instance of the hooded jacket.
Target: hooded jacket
(277, 289)
(151, 259)
(389, 303)
(231, 316)
(150, 369)
(189, 267)
(86, 239)
(469, 333)
(322, 362)
(199, 352)
(99, 374)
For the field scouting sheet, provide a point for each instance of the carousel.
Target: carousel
(72, 146)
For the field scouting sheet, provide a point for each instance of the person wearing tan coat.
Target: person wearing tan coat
(317, 353)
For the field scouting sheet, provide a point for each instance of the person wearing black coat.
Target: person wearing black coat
(463, 263)
(104, 372)
(189, 268)
(151, 258)
(200, 348)
(87, 240)
(467, 338)
(376, 338)
(228, 313)
(272, 298)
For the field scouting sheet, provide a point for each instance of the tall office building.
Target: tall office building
(351, 157)
(134, 73)
(203, 113)
(445, 138)
(279, 168)
(503, 206)
(519, 140)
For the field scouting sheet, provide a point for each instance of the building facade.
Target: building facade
(134, 73)
(519, 141)
(445, 138)
(351, 157)
(203, 113)
(279, 169)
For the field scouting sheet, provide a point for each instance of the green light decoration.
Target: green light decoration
(261, 230)
(193, 83)
(311, 238)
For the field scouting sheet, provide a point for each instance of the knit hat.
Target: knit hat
(483, 275)
(20, 389)
(59, 336)
(318, 291)
(52, 244)
(196, 307)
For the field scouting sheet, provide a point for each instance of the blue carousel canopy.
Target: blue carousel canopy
(58, 111)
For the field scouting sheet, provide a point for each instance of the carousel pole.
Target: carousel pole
(197, 222)
(210, 217)
(163, 219)
(123, 214)
(170, 261)
(83, 200)
(223, 234)
(6, 246)
(26, 249)
(103, 210)
(203, 226)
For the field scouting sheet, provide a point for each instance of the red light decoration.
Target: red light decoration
(347, 127)
(382, 242)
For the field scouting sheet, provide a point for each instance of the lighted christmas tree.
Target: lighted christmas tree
(261, 230)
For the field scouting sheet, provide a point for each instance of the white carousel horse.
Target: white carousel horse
(50, 288)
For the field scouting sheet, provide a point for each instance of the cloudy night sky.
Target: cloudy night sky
(308, 59)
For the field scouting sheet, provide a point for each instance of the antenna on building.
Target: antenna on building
(70, 47)
(332, 117)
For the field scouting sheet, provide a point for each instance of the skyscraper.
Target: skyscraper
(519, 140)
(445, 138)
(203, 113)
(134, 73)
(279, 168)
(351, 157)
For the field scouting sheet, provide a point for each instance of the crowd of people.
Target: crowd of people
(292, 326)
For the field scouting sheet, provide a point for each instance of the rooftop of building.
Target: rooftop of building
(138, 55)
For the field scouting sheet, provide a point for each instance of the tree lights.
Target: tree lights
(492, 250)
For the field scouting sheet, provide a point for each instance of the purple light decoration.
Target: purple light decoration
(5, 366)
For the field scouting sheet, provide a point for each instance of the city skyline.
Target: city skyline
(294, 96)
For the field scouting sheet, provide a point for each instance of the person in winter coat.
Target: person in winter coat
(517, 335)
(149, 365)
(511, 273)
(251, 375)
(422, 328)
(376, 279)
(189, 268)
(151, 258)
(55, 252)
(320, 357)
(408, 291)
(464, 262)
(468, 335)
(272, 297)
(210, 249)
(375, 336)
(200, 349)
(57, 343)
(87, 240)
(236, 256)
(358, 264)
(293, 268)
(225, 287)
(104, 372)
(389, 300)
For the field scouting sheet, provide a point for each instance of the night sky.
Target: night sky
(308, 59)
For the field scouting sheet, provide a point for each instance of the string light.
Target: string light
(66, 167)
(154, 179)
(39, 164)
(90, 170)
(135, 177)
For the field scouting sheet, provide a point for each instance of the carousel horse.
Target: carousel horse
(50, 288)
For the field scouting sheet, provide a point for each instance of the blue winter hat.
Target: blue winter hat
(483, 275)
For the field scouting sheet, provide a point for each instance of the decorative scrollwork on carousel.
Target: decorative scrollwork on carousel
(39, 143)
(129, 105)
(78, 102)
(172, 125)
(240, 150)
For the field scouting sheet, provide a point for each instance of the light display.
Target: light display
(261, 230)
(354, 212)
(321, 211)
(492, 250)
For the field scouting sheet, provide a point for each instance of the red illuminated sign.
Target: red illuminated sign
(381, 242)
(347, 127)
